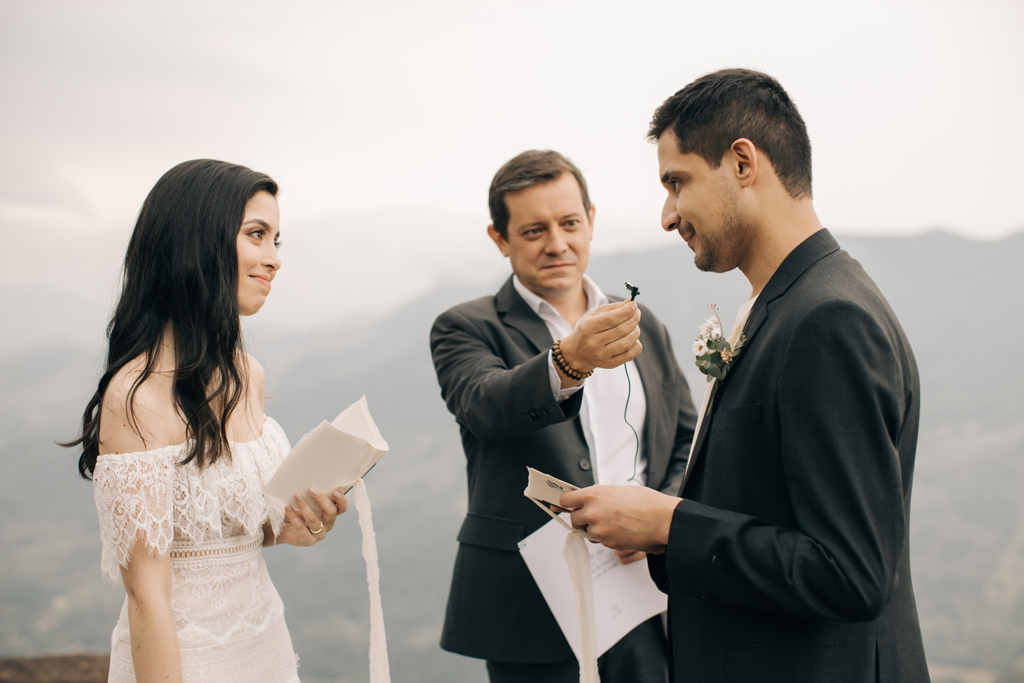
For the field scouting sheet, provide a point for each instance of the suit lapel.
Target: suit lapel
(516, 313)
(807, 253)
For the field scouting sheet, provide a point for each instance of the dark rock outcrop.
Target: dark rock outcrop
(80, 668)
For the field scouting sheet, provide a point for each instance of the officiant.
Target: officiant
(554, 374)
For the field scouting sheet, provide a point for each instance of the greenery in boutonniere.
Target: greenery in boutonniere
(713, 351)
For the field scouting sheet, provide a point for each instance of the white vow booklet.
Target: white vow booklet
(543, 488)
(333, 454)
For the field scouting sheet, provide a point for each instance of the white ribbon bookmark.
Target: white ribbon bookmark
(379, 669)
(544, 487)
(577, 556)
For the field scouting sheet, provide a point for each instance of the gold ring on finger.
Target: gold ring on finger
(316, 531)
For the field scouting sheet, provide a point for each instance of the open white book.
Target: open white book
(336, 454)
(333, 454)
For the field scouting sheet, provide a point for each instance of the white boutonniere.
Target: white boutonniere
(713, 351)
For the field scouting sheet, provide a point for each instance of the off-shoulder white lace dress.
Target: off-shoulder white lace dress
(229, 617)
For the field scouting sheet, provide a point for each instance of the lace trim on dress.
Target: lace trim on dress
(133, 499)
(149, 495)
(215, 553)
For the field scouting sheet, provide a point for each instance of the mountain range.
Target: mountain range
(958, 300)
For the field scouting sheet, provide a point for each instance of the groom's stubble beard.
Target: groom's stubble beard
(718, 251)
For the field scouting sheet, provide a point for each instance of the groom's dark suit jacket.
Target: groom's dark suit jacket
(788, 558)
(492, 364)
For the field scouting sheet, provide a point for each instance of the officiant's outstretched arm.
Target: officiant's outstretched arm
(786, 554)
(521, 402)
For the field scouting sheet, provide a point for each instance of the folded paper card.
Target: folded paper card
(334, 454)
(544, 490)
(542, 487)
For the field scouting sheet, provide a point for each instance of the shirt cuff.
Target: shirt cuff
(557, 391)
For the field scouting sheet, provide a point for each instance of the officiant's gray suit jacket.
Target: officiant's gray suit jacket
(788, 557)
(492, 364)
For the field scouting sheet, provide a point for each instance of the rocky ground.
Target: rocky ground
(80, 668)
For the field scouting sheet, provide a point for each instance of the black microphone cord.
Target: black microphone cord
(625, 417)
(633, 292)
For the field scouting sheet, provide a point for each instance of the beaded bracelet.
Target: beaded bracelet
(567, 370)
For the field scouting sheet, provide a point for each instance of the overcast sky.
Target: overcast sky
(385, 121)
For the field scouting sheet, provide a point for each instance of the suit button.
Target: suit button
(544, 413)
(584, 464)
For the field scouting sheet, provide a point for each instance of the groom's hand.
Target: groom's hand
(622, 517)
(607, 338)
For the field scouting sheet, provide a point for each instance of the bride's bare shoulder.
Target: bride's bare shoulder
(256, 376)
(139, 416)
(257, 380)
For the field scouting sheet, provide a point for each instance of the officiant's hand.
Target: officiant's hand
(303, 526)
(622, 517)
(607, 338)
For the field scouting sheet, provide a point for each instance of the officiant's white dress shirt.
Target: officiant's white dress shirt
(615, 452)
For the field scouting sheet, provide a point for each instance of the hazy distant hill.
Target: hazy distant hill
(957, 299)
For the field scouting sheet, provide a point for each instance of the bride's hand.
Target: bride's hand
(303, 526)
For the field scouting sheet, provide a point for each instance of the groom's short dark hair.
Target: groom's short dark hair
(715, 110)
(532, 167)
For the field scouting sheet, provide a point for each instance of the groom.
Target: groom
(786, 555)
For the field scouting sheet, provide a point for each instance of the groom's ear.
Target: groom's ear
(742, 158)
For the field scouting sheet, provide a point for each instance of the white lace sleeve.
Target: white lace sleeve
(276, 449)
(133, 493)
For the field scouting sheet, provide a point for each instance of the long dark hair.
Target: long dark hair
(182, 268)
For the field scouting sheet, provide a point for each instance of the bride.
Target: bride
(177, 445)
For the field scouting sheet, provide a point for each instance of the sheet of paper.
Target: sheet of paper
(331, 455)
(624, 594)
